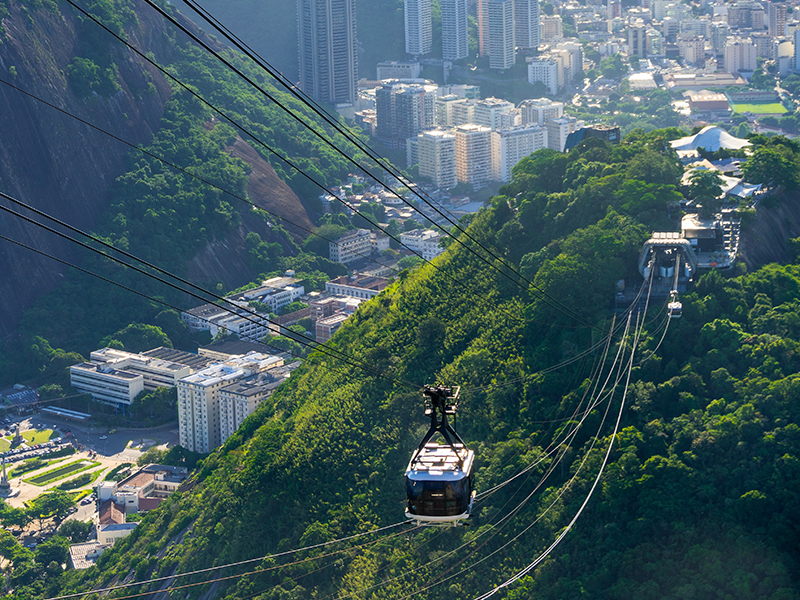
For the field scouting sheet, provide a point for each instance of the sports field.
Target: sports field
(772, 108)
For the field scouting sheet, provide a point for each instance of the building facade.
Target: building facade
(558, 131)
(540, 110)
(544, 70)
(501, 34)
(424, 242)
(436, 155)
(328, 50)
(473, 154)
(526, 24)
(455, 30)
(777, 19)
(352, 246)
(240, 399)
(740, 55)
(512, 145)
(419, 28)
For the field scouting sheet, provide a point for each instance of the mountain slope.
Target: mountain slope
(698, 499)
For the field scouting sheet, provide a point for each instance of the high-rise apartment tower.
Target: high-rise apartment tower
(455, 32)
(419, 28)
(328, 49)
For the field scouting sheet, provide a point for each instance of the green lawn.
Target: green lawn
(62, 472)
(35, 436)
(5, 444)
(774, 108)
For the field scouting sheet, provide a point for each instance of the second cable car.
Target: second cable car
(439, 479)
(674, 308)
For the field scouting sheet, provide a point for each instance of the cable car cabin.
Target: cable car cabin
(674, 308)
(439, 483)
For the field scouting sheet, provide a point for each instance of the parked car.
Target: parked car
(103, 437)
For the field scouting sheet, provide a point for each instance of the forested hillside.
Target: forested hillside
(698, 499)
(177, 203)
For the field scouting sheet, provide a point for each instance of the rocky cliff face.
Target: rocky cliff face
(52, 161)
(61, 166)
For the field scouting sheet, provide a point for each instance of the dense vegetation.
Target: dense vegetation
(166, 216)
(698, 499)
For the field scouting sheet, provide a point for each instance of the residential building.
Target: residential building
(797, 47)
(473, 154)
(507, 120)
(424, 242)
(500, 19)
(198, 399)
(483, 27)
(105, 383)
(764, 44)
(692, 49)
(330, 305)
(540, 110)
(436, 155)
(637, 40)
(512, 145)
(740, 55)
(777, 19)
(747, 14)
(328, 50)
(378, 242)
(444, 109)
(275, 292)
(526, 24)
(719, 32)
(655, 43)
(419, 28)
(393, 69)
(353, 245)
(464, 112)
(455, 31)
(239, 400)
(403, 110)
(559, 129)
(695, 27)
(550, 28)
(357, 286)
(487, 112)
(546, 70)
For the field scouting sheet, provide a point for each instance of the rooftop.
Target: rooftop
(111, 513)
(189, 359)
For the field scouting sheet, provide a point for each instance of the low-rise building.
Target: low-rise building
(357, 286)
(352, 246)
(111, 523)
(105, 383)
(326, 327)
(425, 242)
(143, 490)
(155, 372)
(85, 555)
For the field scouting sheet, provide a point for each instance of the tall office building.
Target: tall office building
(419, 29)
(501, 34)
(328, 49)
(455, 32)
(526, 23)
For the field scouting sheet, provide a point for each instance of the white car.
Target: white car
(103, 437)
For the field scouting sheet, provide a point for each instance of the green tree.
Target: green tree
(138, 337)
(769, 166)
(705, 188)
(54, 504)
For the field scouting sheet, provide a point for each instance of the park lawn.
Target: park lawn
(46, 464)
(36, 436)
(62, 472)
(773, 108)
(5, 444)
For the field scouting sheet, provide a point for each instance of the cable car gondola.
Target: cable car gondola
(439, 479)
(674, 308)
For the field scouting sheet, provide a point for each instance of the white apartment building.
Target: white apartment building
(544, 69)
(240, 399)
(106, 383)
(551, 28)
(455, 30)
(692, 49)
(695, 27)
(501, 34)
(444, 109)
(740, 55)
(352, 246)
(198, 399)
(559, 129)
(436, 155)
(425, 242)
(419, 27)
(473, 154)
(540, 110)
(507, 120)
(655, 43)
(487, 112)
(719, 32)
(764, 44)
(252, 327)
(777, 19)
(463, 112)
(512, 145)
(526, 24)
